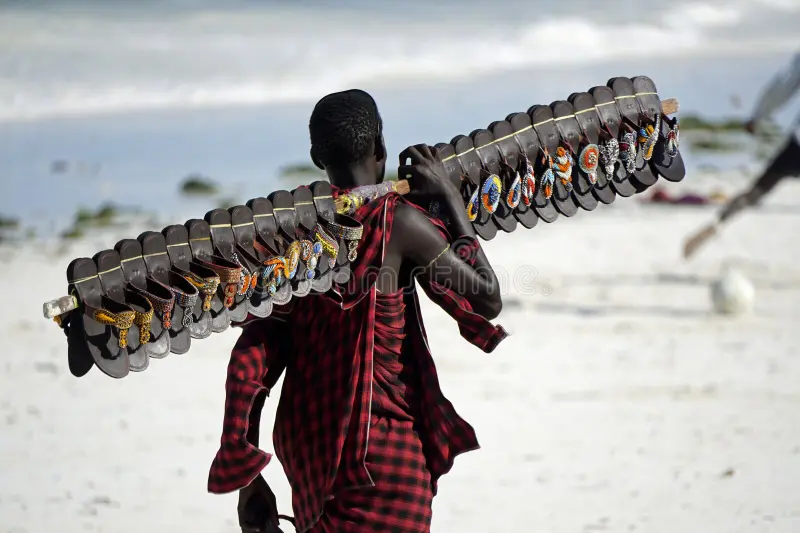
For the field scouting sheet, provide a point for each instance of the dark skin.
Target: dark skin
(415, 249)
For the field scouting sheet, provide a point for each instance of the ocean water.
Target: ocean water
(135, 96)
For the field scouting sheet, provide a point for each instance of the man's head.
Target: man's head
(347, 138)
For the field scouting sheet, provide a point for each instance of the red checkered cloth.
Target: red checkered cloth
(403, 494)
(401, 497)
(326, 346)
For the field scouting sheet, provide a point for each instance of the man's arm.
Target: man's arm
(778, 92)
(421, 243)
(257, 361)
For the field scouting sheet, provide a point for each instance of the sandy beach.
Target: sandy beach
(619, 403)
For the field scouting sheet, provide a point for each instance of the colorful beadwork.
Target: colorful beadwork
(122, 321)
(328, 244)
(292, 256)
(609, 153)
(310, 253)
(350, 202)
(243, 284)
(352, 250)
(528, 183)
(206, 286)
(547, 180)
(350, 234)
(230, 294)
(673, 138)
(226, 274)
(229, 277)
(142, 321)
(588, 160)
(162, 306)
(563, 167)
(648, 135)
(472, 206)
(272, 273)
(627, 151)
(208, 290)
(514, 194)
(186, 301)
(490, 193)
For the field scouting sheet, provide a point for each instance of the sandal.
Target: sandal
(610, 143)
(111, 278)
(105, 321)
(229, 273)
(259, 304)
(160, 298)
(581, 153)
(307, 222)
(203, 278)
(558, 191)
(589, 124)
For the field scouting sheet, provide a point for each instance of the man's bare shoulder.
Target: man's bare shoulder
(410, 217)
(416, 236)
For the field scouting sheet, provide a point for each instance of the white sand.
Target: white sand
(619, 404)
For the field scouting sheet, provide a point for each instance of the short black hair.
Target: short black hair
(344, 127)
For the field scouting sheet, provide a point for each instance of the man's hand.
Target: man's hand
(426, 173)
(258, 508)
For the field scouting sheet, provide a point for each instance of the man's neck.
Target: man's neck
(349, 177)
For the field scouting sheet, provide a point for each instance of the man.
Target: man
(787, 163)
(362, 429)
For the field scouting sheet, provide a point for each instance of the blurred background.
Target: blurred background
(621, 403)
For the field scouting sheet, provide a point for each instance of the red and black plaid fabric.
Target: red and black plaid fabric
(326, 346)
(395, 381)
(401, 499)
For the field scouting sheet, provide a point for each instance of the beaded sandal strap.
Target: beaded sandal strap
(273, 272)
(328, 244)
(228, 275)
(142, 320)
(245, 285)
(310, 252)
(162, 305)
(648, 136)
(673, 137)
(207, 286)
(490, 190)
(351, 233)
(186, 301)
(292, 257)
(122, 320)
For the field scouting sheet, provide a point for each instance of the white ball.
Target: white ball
(732, 293)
